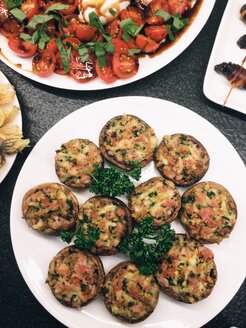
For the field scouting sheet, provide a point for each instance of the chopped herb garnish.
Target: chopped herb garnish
(133, 51)
(130, 29)
(30, 38)
(84, 54)
(189, 199)
(38, 19)
(112, 11)
(64, 55)
(13, 3)
(18, 14)
(210, 194)
(56, 7)
(95, 21)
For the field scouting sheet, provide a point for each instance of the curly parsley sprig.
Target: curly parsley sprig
(147, 245)
(112, 181)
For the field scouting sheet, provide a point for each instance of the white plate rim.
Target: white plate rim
(86, 109)
(212, 61)
(159, 61)
(18, 121)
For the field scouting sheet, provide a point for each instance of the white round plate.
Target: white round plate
(33, 251)
(17, 121)
(147, 65)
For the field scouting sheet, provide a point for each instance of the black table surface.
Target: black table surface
(182, 82)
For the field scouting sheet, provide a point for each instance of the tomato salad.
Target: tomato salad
(86, 38)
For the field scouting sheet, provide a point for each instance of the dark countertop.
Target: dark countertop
(43, 106)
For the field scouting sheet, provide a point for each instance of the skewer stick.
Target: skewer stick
(234, 85)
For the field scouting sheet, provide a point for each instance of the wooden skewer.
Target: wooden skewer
(234, 85)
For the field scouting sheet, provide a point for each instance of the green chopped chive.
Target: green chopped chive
(112, 11)
(18, 14)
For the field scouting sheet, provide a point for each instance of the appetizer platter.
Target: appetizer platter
(49, 254)
(10, 127)
(97, 45)
(228, 59)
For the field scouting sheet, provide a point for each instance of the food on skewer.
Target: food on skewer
(235, 74)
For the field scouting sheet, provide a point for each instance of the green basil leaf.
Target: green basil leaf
(84, 54)
(102, 61)
(112, 11)
(38, 19)
(109, 47)
(13, 3)
(41, 44)
(18, 14)
(170, 33)
(133, 51)
(64, 55)
(30, 38)
(56, 6)
(130, 29)
(95, 21)
(125, 36)
(177, 23)
(163, 14)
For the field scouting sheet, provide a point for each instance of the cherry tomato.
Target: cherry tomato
(156, 32)
(30, 8)
(134, 14)
(106, 73)
(11, 27)
(113, 27)
(124, 66)
(120, 46)
(154, 6)
(82, 72)
(43, 64)
(146, 44)
(85, 32)
(51, 46)
(72, 41)
(178, 6)
(21, 47)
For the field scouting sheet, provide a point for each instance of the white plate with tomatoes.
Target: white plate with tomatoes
(34, 251)
(109, 55)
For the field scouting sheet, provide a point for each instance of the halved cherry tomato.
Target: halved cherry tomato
(124, 66)
(21, 47)
(51, 46)
(120, 46)
(146, 44)
(178, 6)
(11, 27)
(153, 7)
(29, 7)
(113, 27)
(43, 64)
(106, 73)
(72, 41)
(156, 32)
(134, 14)
(82, 72)
(84, 32)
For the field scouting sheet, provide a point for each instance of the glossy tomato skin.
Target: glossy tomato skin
(177, 6)
(134, 14)
(154, 6)
(120, 46)
(30, 8)
(85, 32)
(11, 27)
(113, 28)
(43, 64)
(156, 32)
(124, 66)
(74, 42)
(21, 47)
(106, 73)
(82, 72)
(146, 44)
